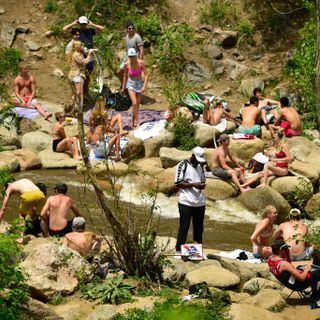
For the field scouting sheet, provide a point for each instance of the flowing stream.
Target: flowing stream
(227, 224)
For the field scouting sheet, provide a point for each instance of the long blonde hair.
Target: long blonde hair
(99, 114)
(75, 46)
(266, 211)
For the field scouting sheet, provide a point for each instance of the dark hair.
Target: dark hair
(130, 23)
(42, 187)
(61, 187)
(253, 100)
(284, 101)
(74, 31)
(256, 90)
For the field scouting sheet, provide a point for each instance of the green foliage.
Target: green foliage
(170, 49)
(5, 177)
(13, 288)
(57, 299)
(218, 11)
(57, 28)
(113, 291)
(173, 309)
(245, 30)
(174, 89)
(51, 6)
(148, 26)
(255, 288)
(300, 195)
(301, 68)
(183, 131)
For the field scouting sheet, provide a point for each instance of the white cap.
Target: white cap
(198, 152)
(83, 20)
(132, 52)
(78, 223)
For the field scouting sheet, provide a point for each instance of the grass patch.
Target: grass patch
(51, 6)
(217, 12)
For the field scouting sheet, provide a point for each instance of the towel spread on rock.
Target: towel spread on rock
(99, 155)
(26, 112)
(221, 126)
(235, 254)
(145, 115)
(150, 129)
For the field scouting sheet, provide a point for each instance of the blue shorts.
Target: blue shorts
(253, 130)
(134, 84)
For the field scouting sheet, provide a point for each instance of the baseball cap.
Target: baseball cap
(61, 187)
(78, 223)
(294, 213)
(198, 152)
(83, 20)
(278, 245)
(132, 52)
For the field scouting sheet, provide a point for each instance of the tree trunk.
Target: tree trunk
(318, 67)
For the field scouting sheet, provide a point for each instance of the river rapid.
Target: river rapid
(227, 224)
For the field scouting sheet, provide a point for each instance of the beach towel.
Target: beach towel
(222, 125)
(236, 253)
(26, 112)
(150, 129)
(243, 136)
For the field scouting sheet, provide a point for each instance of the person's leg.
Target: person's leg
(76, 154)
(197, 221)
(270, 169)
(40, 109)
(185, 213)
(134, 101)
(240, 175)
(139, 95)
(234, 177)
(115, 141)
(67, 145)
(207, 115)
(79, 88)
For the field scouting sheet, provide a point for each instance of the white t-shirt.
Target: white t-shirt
(191, 197)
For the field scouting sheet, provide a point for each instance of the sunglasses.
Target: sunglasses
(130, 28)
(77, 34)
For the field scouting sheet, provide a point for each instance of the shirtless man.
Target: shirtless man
(220, 168)
(293, 233)
(32, 200)
(250, 118)
(84, 242)
(291, 124)
(24, 86)
(60, 141)
(54, 214)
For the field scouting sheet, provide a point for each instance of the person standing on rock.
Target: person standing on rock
(133, 40)
(190, 180)
(24, 86)
(32, 200)
(220, 168)
(250, 118)
(54, 214)
(293, 233)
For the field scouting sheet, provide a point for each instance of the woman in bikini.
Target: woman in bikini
(262, 233)
(278, 166)
(132, 80)
(60, 141)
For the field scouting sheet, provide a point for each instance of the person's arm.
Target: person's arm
(264, 116)
(258, 230)
(69, 26)
(300, 276)
(44, 216)
(97, 26)
(62, 132)
(278, 233)
(235, 161)
(75, 210)
(277, 121)
(141, 51)
(33, 89)
(222, 160)
(186, 185)
(271, 102)
(17, 94)
(146, 77)
(5, 202)
(125, 77)
(78, 57)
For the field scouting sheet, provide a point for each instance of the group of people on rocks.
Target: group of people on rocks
(49, 216)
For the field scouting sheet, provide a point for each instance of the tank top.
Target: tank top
(134, 73)
(279, 155)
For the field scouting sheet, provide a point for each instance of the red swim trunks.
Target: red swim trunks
(288, 132)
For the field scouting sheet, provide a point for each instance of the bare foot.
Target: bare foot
(47, 115)
(123, 133)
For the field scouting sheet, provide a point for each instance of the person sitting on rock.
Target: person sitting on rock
(279, 164)
(291, 123)
(220, 168)
(250, 118)
(262, 233)
(24, 86)
(82, 241)
(54, 214)
(61, 142)
(293, 233)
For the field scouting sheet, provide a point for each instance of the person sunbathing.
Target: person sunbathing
(278, 166)
(61, 142)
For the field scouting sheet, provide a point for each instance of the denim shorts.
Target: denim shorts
(77, 79)
(134, 84)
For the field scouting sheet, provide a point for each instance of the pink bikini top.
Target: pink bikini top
(134, 73)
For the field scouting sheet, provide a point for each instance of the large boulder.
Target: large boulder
(244, 311)
(226, 279)
(257, 199)
(170, 157)
(289, 185)
(133, 148)
(165, 180)
(152, 145)
(28, 160)
(105, 312)
(36, 141)
(313, 206)
(9, 136)
(101, 167)
(196, 72)
(50, 160)
(254, 285)
(245, 149)
(308, 170)
(53, 269)
(151, 166)
(268, 299)
(227, 38)
(217, 189)
(213, 51)
(28, 125)
(234, 69)
(9, 161)
(247, 86)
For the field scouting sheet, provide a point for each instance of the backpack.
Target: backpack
(116, 100)
(255, 166)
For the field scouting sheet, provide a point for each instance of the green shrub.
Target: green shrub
(13, 288)
(218, 11)
(148, 26)
(245, 30)
(5, 177)
(51, 6)
(9, 58)
(183, 131)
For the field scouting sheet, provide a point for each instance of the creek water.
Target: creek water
(227, 224)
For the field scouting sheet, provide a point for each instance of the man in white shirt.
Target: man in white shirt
(191, 181)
